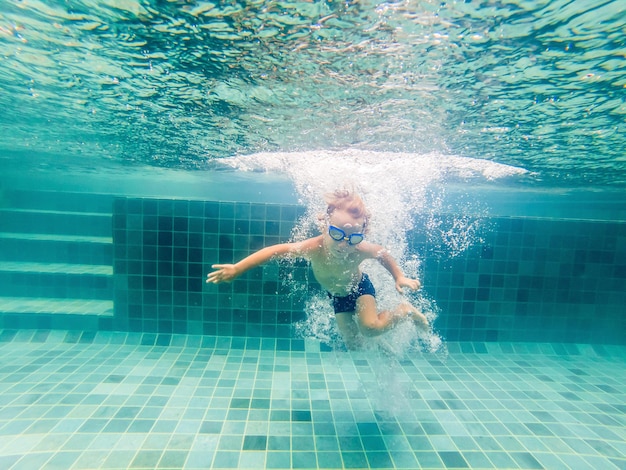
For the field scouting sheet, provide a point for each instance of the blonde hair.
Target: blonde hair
(346, 200)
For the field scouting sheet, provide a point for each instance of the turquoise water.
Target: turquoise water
(144, 140)
(535, 84)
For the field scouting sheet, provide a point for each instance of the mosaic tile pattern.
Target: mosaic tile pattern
(77, 400)
(528, 280)
(164, 249)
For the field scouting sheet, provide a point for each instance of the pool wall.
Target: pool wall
(163, 250)
(530, 279)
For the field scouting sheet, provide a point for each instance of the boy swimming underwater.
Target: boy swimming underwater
(336, 256)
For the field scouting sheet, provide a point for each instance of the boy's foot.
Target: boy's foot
(420, 320)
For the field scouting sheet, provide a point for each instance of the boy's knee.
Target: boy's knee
(369, 328)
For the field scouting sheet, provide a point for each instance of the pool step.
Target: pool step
(56, 258)
(56, 280)
(35, 221)
(56, 248)
(56, 268)
(57, 201)
(52, 306)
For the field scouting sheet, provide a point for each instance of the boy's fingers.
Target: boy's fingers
(212, 277)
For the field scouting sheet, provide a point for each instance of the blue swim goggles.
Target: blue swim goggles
(339, 235)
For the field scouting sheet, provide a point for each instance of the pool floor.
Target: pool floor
(113, 400)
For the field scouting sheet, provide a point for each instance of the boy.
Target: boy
(335, 258)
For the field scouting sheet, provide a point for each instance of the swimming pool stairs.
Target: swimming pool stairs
(56, 259)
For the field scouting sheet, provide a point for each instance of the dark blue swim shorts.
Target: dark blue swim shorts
(348, 303)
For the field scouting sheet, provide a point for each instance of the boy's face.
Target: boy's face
(349, 224)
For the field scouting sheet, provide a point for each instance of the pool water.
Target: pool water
(72, 400)
(144, 141)
(104, 379)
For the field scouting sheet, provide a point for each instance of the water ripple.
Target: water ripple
(532, 83)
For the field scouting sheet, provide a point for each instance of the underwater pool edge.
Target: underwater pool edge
(297, 345)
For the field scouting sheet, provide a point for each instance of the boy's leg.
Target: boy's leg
(420, 319)
(348, 329)
(369, 320)
(406, 309)
(373, 323)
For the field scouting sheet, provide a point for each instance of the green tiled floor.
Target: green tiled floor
(110, 400)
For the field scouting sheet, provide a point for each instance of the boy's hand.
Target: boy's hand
(224, 273)
(412, 284)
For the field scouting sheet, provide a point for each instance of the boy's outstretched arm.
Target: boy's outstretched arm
(390, 264)
(229, 272)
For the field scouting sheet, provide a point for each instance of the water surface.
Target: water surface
(533, 84)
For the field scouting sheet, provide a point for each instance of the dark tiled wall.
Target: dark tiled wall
(531, 279)
(164, 249)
